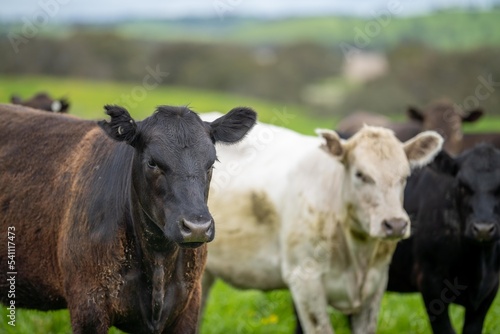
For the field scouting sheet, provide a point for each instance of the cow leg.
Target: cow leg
(88, 317)
(188, 322)
(298, 325)
(437, 311)
(365, 321)
(207, 282)
(474, 319)
(310, 299)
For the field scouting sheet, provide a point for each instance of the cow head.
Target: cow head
(446, 118)
(475, 190)
(172, 167)
(376, 166)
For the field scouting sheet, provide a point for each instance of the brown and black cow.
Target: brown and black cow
(42, 101)
(110, 224)
(441, 115)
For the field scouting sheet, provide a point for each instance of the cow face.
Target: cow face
(376, 166)
(172, 167)
(475, 190)
(446, 118)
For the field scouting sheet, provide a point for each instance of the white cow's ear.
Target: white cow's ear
(421, 149)
(333, 144)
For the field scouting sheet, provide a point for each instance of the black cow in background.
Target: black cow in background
(42, 101)
(453, 255)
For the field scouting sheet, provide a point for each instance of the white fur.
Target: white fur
(289, 214)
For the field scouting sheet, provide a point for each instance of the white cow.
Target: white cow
(318, 215)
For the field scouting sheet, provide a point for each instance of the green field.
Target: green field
(87, 99)
(229, 310)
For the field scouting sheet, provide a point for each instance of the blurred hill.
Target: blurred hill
(395, 62)
(448, 30)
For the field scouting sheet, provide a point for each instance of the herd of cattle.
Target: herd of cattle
(112, 218)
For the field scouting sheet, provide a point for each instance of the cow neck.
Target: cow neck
(362, 249)
(157, 261)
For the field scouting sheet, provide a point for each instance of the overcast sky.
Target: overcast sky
(103, 10)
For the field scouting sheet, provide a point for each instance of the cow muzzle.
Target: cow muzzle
(195, 233)
(484, 232)
(395, 228)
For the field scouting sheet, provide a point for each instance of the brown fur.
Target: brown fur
(441, 115)
(60, 261)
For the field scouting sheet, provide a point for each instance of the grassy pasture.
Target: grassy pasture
(229, 310)
(87, 99)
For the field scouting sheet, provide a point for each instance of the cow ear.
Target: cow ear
(64, 105)
(233, 126)
(15, 99)
(444, 163)
(421, 149)
(333, 144)
(472, 115)
(121, 127)
(415, 114)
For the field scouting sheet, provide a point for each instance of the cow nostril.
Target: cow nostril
(185, 226)
(492, 229)
(395, 227)
(483, 231)
(190, 228)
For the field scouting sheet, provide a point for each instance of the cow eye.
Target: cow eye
(363, 177)
(152, 164)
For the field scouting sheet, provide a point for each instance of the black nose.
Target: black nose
(197, 231)
(395, 227)
(483, 231)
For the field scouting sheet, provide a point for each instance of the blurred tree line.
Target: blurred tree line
(417, 73)
(277, 73)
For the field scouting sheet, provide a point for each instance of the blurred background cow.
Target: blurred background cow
(42, 101)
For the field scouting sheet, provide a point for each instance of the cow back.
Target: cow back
(36, 150)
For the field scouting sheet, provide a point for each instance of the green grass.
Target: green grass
(250, 311)
(235, 311)
(87, 99)
(229, 310)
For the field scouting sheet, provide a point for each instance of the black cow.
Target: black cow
(111, 224)
(453, 255)
(42, 101)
